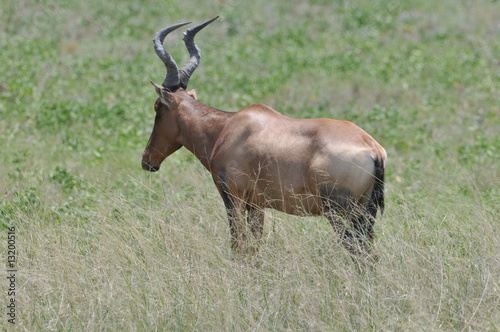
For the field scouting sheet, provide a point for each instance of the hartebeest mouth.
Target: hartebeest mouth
(150, 168)
(261, 159)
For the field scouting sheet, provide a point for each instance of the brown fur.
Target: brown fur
(261, 159)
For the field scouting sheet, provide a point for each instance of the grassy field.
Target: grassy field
(103, 245)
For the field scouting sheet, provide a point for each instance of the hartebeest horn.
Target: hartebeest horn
(172, 79)
(194, 52)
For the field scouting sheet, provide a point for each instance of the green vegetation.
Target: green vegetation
(104, 245)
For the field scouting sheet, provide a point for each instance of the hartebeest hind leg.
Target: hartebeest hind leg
(350, 222)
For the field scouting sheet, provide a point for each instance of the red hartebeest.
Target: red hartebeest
(261, 159)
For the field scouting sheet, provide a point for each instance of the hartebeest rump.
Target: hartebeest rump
(261, 159)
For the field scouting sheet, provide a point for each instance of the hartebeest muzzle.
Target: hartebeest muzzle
(148, 167)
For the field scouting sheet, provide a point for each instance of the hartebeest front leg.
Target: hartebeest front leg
(237, 226)
(236, 214)
(245, 236)
(255, 220)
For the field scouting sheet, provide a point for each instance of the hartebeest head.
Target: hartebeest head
(163, 140)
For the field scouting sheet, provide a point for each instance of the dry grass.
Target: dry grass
(167, 265)
(102, 245)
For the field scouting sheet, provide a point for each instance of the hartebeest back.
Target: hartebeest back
(261, 159)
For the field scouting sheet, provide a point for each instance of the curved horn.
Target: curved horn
(194, 52)
(172, 78)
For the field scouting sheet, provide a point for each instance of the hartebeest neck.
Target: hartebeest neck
(200, 126)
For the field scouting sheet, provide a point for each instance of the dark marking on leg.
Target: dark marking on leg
(337, 206)
(235, 208)
(351, 221)
(224, 191)
(229, 204)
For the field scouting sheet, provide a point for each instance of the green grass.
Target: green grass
(103, 245)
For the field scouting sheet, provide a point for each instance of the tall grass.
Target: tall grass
(103, 245)
(148, 260)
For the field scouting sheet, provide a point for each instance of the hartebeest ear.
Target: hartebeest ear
(192, 93)
(165, 95)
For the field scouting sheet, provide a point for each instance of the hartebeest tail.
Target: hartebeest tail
(261, 159)
(377, 198)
